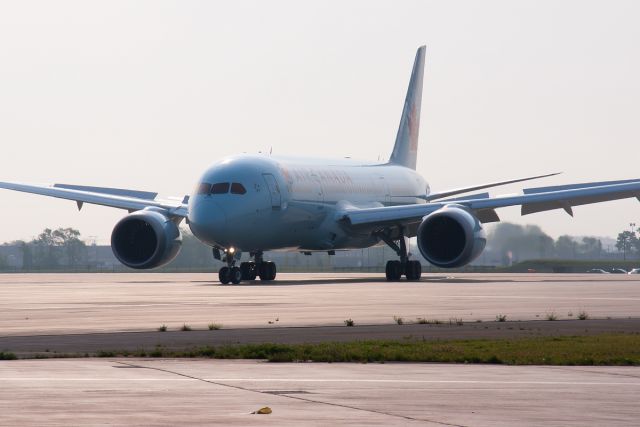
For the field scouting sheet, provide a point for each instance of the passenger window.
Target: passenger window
(220, 188)
(203, 188)
(237, 188)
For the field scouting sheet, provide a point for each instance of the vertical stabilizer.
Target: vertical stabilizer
(405, 150)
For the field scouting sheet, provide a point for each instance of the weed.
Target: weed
(501, 317)
(5, 355)
(215, 326)
(478, 320)
(185, 327)
(163, 328)
(570, 314)
(349, 322)
(551, 316)
(455, 321)
(602, 349)
(398, 320)
(583, 315)
(422, 321)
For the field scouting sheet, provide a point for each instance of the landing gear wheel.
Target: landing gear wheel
(393, 271)
(413, 271)
(235, 275)
(224, 275)
(248, 270)
(253, 271)
(272, 270)
(267, 270)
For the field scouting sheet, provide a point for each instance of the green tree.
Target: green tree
(626, 241)
(566, 247)
(51, 245)
(590, 247)
(524, 242)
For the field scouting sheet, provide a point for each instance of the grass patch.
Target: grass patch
(552, 316)
(215, 326)
(349, 322)
(501, 318)
(606, 349)
(583, 315)
(398, 320)
(5, 355)
(163, 328)
(425, 321)
(185, 327)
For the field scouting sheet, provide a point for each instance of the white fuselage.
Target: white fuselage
(276, 203)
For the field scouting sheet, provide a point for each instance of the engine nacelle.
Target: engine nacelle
(451, 237)
(146, 239)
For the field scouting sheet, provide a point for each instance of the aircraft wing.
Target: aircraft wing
(456, 191)
(532, 200)
(130, 200)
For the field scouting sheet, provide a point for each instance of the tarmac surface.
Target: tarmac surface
(215, 392)
(54, 304)
(87, 313)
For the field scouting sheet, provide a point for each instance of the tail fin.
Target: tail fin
(405, 150)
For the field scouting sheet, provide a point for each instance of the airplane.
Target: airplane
(255, 203)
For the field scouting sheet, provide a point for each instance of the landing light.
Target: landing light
(232, 250)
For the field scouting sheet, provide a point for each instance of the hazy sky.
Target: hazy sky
(146, 94)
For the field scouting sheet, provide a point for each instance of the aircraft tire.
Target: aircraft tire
(245, 269)
(413, 270)
(393, 271)
(272, 270)
(253, 271)
(267, 271)
(224, 275)
(235, 275)
(263, 271)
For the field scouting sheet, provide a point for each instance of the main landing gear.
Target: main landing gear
(265, 270)
(394, 270)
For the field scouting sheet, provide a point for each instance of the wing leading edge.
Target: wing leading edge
(130, 200)
(532, 201)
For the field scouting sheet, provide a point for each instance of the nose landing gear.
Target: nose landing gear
(230, 273)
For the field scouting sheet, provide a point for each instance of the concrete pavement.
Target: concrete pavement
(215, 392)
(51, 304)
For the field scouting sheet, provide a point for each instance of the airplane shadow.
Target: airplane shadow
(346, 281)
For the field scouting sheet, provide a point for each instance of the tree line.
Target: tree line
(514, 242)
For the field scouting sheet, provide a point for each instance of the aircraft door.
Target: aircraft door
(274, 191)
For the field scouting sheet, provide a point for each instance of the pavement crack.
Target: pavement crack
(286, 396)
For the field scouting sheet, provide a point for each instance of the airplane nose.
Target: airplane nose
(208, 221)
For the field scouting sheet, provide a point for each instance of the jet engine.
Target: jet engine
(146, 239)
(451, 237)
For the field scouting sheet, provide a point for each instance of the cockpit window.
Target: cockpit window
(203, 188)
(220, 188)
(237, 188)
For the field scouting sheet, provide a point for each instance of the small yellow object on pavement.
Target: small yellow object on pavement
(263, 411)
